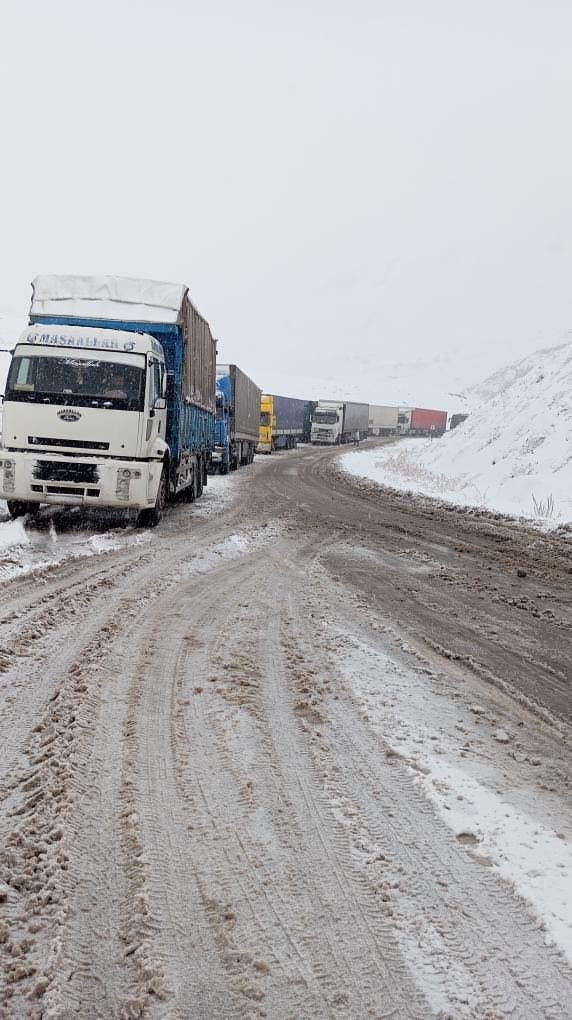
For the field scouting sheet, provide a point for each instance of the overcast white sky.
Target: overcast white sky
(387, 182)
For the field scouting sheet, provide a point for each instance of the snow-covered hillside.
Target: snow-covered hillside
(512, 455)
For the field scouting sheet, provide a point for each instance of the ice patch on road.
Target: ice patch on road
(489, 793)
(536, 860)
(236, 545)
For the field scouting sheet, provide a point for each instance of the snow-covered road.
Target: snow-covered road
(254, 766)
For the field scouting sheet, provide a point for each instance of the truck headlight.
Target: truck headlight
(122, 484)
(9, 479)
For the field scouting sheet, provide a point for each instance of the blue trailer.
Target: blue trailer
(143, 448)
(237, 418)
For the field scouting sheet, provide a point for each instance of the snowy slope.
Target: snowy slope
(512, 455)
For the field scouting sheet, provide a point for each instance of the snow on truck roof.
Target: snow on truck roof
(108, 297)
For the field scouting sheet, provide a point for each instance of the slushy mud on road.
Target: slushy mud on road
(306, 753)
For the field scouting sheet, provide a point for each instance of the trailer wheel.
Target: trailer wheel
(19, 508)
(150, 517)
(188, 494)
(200, 477)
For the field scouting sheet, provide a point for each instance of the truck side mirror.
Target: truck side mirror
(170, 387)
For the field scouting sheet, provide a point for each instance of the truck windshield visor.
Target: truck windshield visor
(325, 417)
(79, 382)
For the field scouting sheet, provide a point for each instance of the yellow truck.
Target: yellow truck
(284, 421)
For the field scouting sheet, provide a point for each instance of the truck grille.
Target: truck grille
(64, 471)
(64, 490)
(79, 444)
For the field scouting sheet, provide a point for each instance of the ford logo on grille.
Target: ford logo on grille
(66, 415)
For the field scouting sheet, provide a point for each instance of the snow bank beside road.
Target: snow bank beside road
(513, 455)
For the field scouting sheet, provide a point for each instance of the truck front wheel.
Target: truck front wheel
(150, 517)
(19, 508)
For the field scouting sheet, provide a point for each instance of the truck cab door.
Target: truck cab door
(155, 412)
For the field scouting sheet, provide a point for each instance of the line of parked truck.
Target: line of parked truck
(114, 399)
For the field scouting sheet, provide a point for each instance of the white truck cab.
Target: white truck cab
(327, 422)
(84, 419)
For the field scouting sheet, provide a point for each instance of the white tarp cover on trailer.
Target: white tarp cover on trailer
(107, 297)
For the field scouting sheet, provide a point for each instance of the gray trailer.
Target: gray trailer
(382, 420)
(356, 417)
(237, 419)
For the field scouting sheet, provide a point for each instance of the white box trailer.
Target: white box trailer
(382, 420)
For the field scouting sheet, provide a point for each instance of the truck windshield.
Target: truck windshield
(325, 417)
(264, 418)
(79, 382)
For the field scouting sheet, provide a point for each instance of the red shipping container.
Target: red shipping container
(425, 420)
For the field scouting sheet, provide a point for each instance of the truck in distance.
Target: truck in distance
(427, 422)
(237, 419)
(110, 398)
(283, 422)
(457, 419)
(382, 420)
(335, 422)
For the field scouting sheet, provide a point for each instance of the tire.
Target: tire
(200, 477)
(150, 517)
(19, 508)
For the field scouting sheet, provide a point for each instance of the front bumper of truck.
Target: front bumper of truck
(33, 477)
